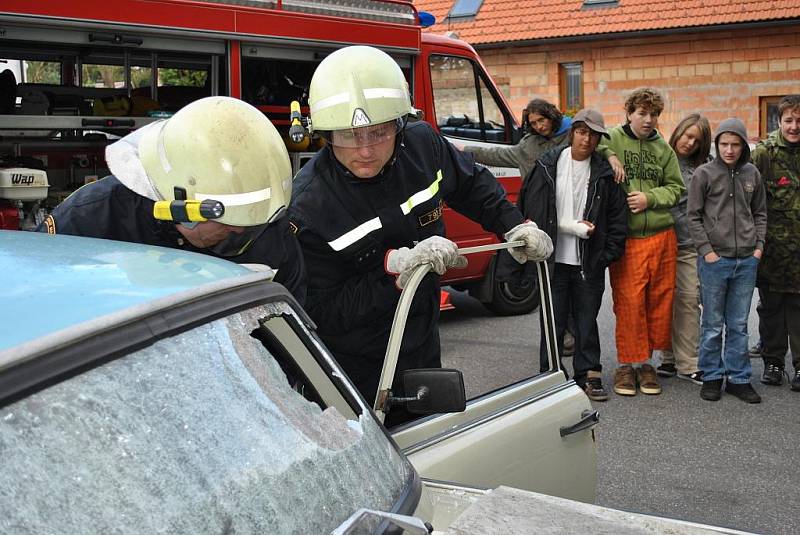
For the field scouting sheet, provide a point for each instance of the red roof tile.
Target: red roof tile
(520, 20)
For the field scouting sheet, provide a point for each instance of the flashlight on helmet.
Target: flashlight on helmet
(188, 210)
(296, 131)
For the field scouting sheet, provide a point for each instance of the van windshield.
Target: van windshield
(197, 433)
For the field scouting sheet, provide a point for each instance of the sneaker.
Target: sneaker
(744, 392)
(666, 369)
(712, 390)
(796, 381)
(773, 375)
(569, 345)
(648, 383)
(696, 377)
(594, 389)
(625, 381)
(756, 350)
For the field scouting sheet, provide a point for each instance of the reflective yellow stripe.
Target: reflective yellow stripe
(422, 196)
(352, 236)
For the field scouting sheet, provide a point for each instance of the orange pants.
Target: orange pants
(642, 285)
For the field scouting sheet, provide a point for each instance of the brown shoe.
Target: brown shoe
(625, 381)
(648, 383)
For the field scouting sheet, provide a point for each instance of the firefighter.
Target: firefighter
(367, 210)
(217, 149)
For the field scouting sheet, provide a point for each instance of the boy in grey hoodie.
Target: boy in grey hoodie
(728, 221)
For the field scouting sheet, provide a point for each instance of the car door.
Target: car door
(535, 433)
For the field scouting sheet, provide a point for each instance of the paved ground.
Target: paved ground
(725, 463)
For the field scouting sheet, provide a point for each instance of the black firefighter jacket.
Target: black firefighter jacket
(605, 208)
(346, 225)
(107, 209)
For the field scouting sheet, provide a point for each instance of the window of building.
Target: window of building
(464, 9)
(600, 3)
(769, 118)
(571, 87)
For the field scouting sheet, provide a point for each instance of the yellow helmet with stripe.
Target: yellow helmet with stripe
(223, 149)
(357, 86)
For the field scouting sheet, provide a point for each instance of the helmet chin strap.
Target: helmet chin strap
(398, 142)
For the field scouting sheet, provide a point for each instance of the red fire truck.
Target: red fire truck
(76, 75)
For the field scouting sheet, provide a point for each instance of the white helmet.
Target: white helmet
(357, 86)
(223, 149)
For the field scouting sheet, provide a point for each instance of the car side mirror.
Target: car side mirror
(434, 390)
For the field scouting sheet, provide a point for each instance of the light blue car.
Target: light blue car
(133, 399)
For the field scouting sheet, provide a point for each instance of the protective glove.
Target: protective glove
(439, 252)
(538, 245)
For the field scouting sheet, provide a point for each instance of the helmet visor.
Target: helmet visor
(365, 136)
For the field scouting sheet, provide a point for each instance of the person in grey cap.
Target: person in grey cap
(571, 194)
(728, 222)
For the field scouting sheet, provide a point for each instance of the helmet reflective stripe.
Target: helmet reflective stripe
(385, 92)
(334, 100)
(162, 150)
(237, 199)
(369, 94)
(352, 236)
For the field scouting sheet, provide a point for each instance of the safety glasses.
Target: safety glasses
(366, 135)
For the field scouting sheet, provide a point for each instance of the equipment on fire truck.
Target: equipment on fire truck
(22, 188)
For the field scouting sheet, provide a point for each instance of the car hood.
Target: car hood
(509, 510)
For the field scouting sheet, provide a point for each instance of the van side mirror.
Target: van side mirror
(437, 390)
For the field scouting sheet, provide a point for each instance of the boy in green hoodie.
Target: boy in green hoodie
(643, 280)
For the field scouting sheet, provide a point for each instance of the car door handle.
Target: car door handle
(588, 419)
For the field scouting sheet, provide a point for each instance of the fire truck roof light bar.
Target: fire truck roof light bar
(397, 12)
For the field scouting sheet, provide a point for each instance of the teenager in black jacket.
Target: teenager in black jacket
(571, 194)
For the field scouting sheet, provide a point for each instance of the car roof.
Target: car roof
(51, 282)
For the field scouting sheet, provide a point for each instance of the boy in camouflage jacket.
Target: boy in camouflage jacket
(778, 160)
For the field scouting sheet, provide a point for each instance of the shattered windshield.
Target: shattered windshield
(198, 433)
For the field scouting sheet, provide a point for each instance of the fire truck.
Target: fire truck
(77, 75)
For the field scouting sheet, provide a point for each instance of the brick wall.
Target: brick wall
(717, 73)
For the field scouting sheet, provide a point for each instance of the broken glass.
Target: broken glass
(197, 433)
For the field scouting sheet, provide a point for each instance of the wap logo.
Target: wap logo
(20, 179)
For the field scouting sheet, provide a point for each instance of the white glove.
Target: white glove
(538, 245)
(439, 252)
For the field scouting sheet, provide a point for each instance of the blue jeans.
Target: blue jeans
(726, 290)
(580, 297)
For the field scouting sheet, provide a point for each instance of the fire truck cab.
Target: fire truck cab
(75, 76)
